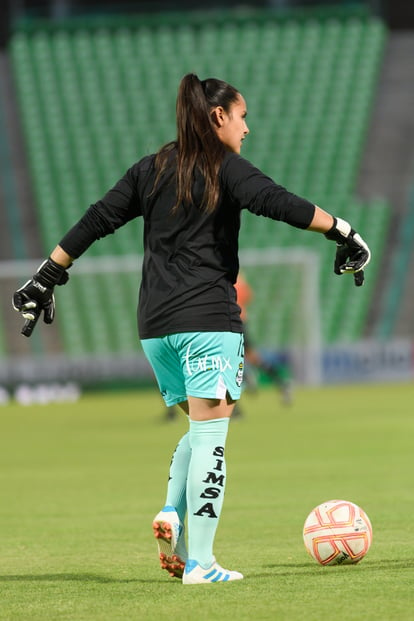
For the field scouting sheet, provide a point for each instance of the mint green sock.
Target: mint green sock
(205, 486)
(177, 482)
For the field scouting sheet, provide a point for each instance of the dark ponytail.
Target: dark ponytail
(197, 145)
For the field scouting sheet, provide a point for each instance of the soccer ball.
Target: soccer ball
(337, 532)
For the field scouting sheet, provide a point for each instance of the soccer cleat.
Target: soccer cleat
(169, 533)
(195, 574)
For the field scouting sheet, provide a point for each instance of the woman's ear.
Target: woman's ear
(217, 116)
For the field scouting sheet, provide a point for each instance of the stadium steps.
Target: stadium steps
(404, 323)
(6, 199)
(401, 277)
(386, 170)
(19, 231)
(18, 235)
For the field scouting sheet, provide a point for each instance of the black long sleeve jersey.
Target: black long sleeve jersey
(190, 257)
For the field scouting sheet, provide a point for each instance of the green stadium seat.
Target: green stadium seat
(95, 99)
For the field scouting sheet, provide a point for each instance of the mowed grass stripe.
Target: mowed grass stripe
(81, 482)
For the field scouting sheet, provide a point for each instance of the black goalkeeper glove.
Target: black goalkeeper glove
(352, 253)
(37, 295)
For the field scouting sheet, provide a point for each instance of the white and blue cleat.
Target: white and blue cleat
(169, 533)
(195, 574)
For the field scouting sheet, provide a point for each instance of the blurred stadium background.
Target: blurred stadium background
(87, 88)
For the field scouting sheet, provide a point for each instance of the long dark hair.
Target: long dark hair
(197, 145)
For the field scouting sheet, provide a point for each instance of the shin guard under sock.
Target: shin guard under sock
(205, 486)
(177, 482)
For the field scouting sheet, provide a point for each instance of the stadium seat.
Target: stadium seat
(96, 99)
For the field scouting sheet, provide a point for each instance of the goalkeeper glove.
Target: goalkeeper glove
(352, 253)
(36, 295)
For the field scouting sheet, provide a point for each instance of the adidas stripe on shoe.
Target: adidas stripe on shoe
(195, 574)
(169, 533)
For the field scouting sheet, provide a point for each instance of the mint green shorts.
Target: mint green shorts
(197, 364)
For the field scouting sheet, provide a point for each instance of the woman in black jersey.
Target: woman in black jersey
(190, 195)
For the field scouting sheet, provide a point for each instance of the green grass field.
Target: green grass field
(80, 484)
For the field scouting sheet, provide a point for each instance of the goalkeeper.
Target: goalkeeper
(191, 195)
